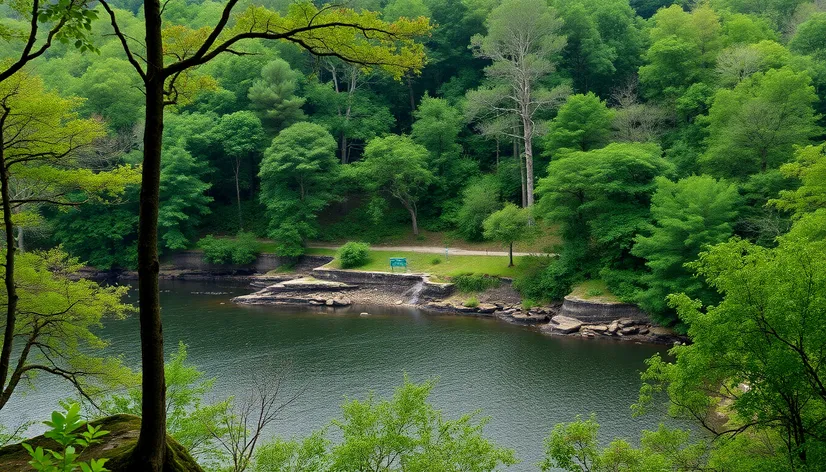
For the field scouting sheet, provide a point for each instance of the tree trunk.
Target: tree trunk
(11, 288)
(342, 140)
(238, 193)
(527, 128)
(410, 92)
(517, 155)
(149, 452)
(510, 254)
(412, 210)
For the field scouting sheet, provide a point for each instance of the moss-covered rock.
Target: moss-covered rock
(116, 446)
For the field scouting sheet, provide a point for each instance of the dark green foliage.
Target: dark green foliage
(601, 200)
(102, 235)
(747, 135)
(582, 124)
(353, 254)
(241, 250)
(688, 216)
(544, 279)
(470, 283)
(298, 177)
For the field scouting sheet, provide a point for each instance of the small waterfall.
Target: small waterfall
(415, 292)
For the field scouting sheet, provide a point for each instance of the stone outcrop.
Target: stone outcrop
(564, 324)
(591, 311)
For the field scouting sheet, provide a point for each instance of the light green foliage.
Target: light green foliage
(183, 197)
(684, 46)
(582, 124)
(809, 37)
(471, 302)
(688, 215)
(396, 9)
(809, 167)
(353, 254)
(509, 225)
(403, 432)
(111, 91)
(241, 250)
(755, 126)
(307, 455)
(190, 420)
(298, 175)
(757, 355)
(480, 199)
(469, 283)
(396, 167)
(574, 447)
(273, 96)
(57, 323)
(601, 199)
(64, 429)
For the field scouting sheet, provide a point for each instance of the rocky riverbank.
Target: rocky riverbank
(340, 289)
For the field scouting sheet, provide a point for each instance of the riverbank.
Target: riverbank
(337, 288)
(316, 281)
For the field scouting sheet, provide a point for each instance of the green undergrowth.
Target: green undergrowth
(451, 266)
(594, 290)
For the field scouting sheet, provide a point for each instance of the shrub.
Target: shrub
(479, 200)
(544, 279)
(467, 283)
(353, 255)
(472, 302)
(73, 435)
(243, 249)
(436, 261)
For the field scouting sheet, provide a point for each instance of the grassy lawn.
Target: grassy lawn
(594, 290)
(545, 241)
(420, 262)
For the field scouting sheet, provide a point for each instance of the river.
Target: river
(523, 380)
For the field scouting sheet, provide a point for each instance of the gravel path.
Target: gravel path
(432, 250)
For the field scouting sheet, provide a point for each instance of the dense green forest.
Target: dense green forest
(674, 151)
(631, 125)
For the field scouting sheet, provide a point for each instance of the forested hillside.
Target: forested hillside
(638, 133)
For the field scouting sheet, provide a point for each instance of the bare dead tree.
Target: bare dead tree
(244, 421)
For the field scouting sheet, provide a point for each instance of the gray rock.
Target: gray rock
(598, 328)
(486, 308)
(613, 327)
(565, 324)
(629, 330)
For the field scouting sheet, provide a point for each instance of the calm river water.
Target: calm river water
(524, 381)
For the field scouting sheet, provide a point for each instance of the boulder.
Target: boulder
(598, 328)
(486, 308)
(565, 324)
(629, 330)
(613, 327)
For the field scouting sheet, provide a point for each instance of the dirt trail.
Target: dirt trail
(431, 250)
